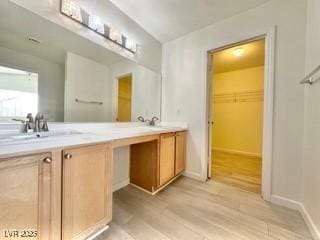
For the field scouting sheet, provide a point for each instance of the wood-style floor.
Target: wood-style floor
(237, 170)
(191, 210)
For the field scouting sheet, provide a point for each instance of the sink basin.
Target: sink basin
(32, 137)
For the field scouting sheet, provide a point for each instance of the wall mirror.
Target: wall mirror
(69, 78)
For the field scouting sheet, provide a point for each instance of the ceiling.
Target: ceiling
(169, 19)
(253, 55)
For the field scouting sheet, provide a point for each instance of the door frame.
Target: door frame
(116, 93)
(267, 147)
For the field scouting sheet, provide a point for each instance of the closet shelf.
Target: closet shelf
(236, 97)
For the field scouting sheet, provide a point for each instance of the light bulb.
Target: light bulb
(115, 35)
(130, 44)
(238, 52)
(96, 24)
(75, 11)
(66, 8)
(72, 9)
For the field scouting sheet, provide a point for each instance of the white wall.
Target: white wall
(311, 159)
(50, 83)
(121, 163)
(184, 86)
(87, 80)
(146, 89)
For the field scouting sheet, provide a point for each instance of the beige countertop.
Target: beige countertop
(68, 135)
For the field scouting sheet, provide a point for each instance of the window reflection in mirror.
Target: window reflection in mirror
(18, 93)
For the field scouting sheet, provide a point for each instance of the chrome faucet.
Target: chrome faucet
(151, 122)
(37, 124)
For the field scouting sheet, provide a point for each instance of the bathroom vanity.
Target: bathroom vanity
(60, 187)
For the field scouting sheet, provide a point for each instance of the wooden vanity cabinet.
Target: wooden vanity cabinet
(26, 208)
(155, 163)
(86, 190)
(68, 193)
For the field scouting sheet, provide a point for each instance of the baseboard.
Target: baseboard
(193, 175)
(310, 223)
(119, 185)
(285, 202)
(242, 153)
(295, 205)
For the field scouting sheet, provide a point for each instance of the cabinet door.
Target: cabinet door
(25, 186)
(180, 163)
(167, 158)
(87, 190)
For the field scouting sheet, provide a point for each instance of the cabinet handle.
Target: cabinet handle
(68, 156)
(47, 160)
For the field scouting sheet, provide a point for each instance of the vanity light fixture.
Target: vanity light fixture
(74, 11)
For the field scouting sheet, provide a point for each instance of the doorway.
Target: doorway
(124, 98)
(236, 114)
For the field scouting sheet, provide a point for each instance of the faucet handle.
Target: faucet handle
(30, 117)
(141, 119)
(155, 119)
(45, 127)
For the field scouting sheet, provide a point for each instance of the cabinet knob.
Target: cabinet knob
(68, 156)
(47, 160)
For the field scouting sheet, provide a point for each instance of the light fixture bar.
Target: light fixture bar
(79, 15)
